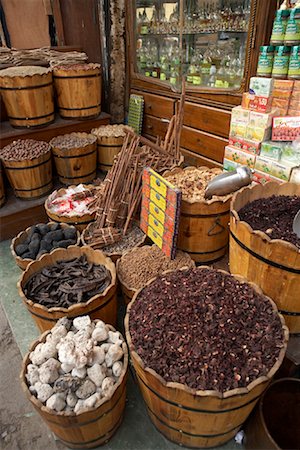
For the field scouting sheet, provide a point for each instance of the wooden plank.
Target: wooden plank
(58, 19)
(205, 118)
(204, 144)
(27, 23)
(154, 126)
(157, 106)
(193, 159)
(60, 126)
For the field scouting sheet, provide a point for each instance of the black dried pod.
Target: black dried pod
(40, 253)
(43, 228)
(21, 248)
(54, 226)
(35, 237)
(65, 243)
(28, 255)
(46, 246)
(34, 247)
(70, 233)
(56, 244)
(54, 236)
(31, 232)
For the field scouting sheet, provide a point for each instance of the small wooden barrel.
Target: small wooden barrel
(101, 306)
(21, 237)
(80, 222)
(273, 264)
(191, 418)
(27, 92)
(31, 178)
(78, 90)
(88, 429)
(2, 192)
(76, 165)
(203, 227)
(275, 423)
(108, 148)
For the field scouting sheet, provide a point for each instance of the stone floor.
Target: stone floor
(136, 432)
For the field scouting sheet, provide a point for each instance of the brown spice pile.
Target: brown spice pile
(203, 328)
(142, 264)
(193, 181)
(273, 215)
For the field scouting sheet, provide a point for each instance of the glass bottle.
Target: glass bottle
(145, 23)
(174, 76)
(205, 68)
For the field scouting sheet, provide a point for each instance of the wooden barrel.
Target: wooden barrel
(76, 165)
(21, 237)
(28, 98)
(2, 192)
(31, 178)
(78, 90)
(203, 227)
(108, 148)
(88, 429)
(80, 222)
(275, 423)
(197, 418)
(100, 306)
(272, 264)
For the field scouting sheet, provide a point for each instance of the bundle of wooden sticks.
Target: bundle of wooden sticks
(122, 194)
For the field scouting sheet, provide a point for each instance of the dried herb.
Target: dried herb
(203, 328)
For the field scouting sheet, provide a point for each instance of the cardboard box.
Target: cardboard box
(262, 120)
(296, 85)
(236, 142)
(245, 144)
(239, 156)
(240, 115)
(281, 93)
(295, 175)
(295, 95)
(263, 178)
(263, 164)
(273, 168)
(271, 150)
(258, 134)
(261, 86)
(238, 130)
(286, 128)
(229, 165)
(285, 85)
(289, 155)
(256, 103)
(294, 104)
(294, 112)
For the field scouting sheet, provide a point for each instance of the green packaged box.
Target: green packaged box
(271, 150)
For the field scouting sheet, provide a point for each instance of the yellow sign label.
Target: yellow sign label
(157, 213)
(156, 225)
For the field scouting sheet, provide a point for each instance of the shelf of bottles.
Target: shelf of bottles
(213, 41)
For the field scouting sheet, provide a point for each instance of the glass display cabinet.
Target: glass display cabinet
(213, 43)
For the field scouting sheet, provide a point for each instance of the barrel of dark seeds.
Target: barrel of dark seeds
(78, 90)
(203, 355)
(270, 255)
(27, 92)
(28, 167)
(71, 297)
(75, 157)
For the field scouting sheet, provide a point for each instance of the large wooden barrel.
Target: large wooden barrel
(30, 178)
(27, 92)
(100, 306)
(79, 221)
(191, 418)
(76, 165)
(203, 227)
(273, 264)
(275, 423)
(2, 192)
(108, 148)
(88, 429)
(78, 90)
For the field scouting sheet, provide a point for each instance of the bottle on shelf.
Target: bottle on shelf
(205, 68)
(145, 23)
(174, 76)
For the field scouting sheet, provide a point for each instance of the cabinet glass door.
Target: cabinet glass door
(205, 40)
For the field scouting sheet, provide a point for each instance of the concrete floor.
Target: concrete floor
(137, 431)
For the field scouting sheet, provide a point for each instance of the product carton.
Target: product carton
(289, 154)
(238, 130)
(229, 165)
(262, 120)
(273, 168)
(294, 112)
(240, 115)
(256, 103)
(283, 85)
(239, 156)
(286, 128)
(245, 144)
(261, 86)
(236, 142)
(263, 178)
(258, 134)
(271, 150)
(295, 175)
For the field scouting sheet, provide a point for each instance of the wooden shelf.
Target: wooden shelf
(59, 126)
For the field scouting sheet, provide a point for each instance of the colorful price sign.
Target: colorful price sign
(160, 211)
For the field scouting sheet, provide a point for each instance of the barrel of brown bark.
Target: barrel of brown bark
(27, 92)
(191, 418)
(101, 306)
(88, 429)
(78, 90)
(275, 423)
(78, 164)
(203, 227)
(273, 264)
(2, 192)
(30, 178)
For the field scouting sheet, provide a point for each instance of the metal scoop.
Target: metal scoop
(229, 182)
(296, 224)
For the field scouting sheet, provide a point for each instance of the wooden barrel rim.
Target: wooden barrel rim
(279, 189)
(78, 76)
(212, 393)
(64, 256)
(21, 88)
